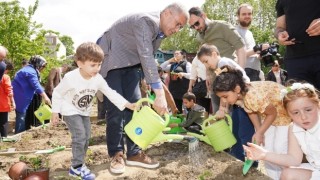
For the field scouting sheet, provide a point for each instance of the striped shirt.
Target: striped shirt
(130, 41)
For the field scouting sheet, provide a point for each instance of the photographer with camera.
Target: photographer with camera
(298, 28)
(268, 55)
(253, 65)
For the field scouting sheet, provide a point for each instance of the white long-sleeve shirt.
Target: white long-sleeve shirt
(74, 94)
(165, 66)
(198, 70)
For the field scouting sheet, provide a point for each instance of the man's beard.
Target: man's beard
(204, 30)
(245, 24)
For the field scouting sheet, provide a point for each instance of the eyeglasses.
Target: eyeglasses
(196, 24)
(275, 65)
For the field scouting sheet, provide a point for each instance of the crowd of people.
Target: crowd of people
(271, 122)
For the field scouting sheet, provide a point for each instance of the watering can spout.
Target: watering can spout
(200, 137)
(167, 137)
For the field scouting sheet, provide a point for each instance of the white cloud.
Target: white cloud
(87, 20)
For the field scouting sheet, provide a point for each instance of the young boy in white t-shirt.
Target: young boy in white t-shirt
(72, 98)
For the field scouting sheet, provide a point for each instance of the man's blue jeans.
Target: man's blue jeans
(126, 82)
(20, 122)
(242, 129)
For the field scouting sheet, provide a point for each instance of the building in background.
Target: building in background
(56, 48)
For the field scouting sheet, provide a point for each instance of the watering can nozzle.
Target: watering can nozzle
(190, 138)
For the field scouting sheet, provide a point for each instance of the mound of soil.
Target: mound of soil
(176, 162)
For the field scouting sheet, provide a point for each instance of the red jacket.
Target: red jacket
(5, 93)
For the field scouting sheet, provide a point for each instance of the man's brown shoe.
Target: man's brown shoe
(142, 160)
(117, 165)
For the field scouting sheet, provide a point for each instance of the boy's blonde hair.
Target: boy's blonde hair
(207, 50)
(89, 51)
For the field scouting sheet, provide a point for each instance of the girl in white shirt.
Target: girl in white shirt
(302, 104)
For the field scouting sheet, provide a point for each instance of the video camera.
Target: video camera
(268, 56)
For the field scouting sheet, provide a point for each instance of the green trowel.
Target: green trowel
(247, 165)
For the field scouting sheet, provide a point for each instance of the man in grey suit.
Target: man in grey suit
(129, 46)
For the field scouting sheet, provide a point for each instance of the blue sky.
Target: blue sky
(87, 20)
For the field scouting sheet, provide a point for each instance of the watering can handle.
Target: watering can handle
(214, 118)
(139, 103)
(43, 103)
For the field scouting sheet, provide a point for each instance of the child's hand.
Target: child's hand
(54, 119)
(258, 138)
(131, 106)
(173, 125)
(255, 152)
(220, 114)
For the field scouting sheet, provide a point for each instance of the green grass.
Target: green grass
(204, 175)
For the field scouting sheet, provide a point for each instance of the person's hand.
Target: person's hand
(265, 46)
(220, 114)
(258, 138)
(190, 89)
(175, 111)
(173, 60)
(47, 100)
(144, 86)
(255, 152)
(160, 103)
(131, 106)
(180, 75)
(314, 28)
(54, 119)
(173, 125)
(283, 38)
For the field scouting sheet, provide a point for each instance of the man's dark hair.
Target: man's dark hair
(24, 62)
(195, 11)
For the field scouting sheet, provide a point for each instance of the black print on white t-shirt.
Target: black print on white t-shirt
(84, 101)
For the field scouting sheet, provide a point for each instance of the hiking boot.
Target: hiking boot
(142, 160)
(117, 165)
(83, 172)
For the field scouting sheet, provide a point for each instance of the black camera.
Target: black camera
(268, 55)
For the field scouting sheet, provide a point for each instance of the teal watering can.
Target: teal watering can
(218, 134)
(146, 126)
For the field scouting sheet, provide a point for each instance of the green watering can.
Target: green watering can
(43, 112)
(146, 126)
(218, 134)
(176, 119)
(151, 96)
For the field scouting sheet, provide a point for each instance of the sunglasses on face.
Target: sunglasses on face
(275, 65)
(196, 24)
